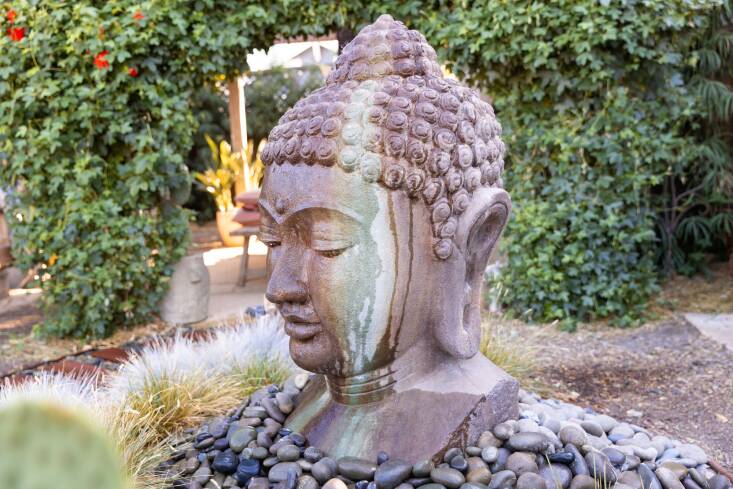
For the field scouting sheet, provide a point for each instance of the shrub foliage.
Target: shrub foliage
(95, 122)
(601, 107)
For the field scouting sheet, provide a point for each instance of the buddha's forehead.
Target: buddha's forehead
(289, 189)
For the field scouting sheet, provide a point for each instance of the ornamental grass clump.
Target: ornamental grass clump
(508, 352)
(175, 385)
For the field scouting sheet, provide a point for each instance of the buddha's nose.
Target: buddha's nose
(287, 280)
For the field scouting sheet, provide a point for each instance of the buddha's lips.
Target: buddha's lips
(302, 331)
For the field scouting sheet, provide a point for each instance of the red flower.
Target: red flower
(16, 33)
(133, 72)
(138, 16)
(11, 16)
(99, 60)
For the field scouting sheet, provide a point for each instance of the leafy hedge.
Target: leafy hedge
(601, 106)
(95, 121)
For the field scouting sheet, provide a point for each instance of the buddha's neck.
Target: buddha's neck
(363, 388)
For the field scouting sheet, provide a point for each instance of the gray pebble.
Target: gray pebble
(202, 475)
(631, 479)
(288, 453)
(255, 412)
(606, 422)
(284, 402)
(240, 439)
(679, 470)
(529, 480)
(356, 469)
(487, 439)
(694, 452)
(272, 410)
(307, 482)
(690, 484)
(529, 442)
(490, 454)
(718, 481)
(522, 462)
(312, 454)
(616, 458)
(600, 467)
(556, 475)
(450, 478)
(572, 435)
(392, 473)
(668, 479)
(552, 425)
(324, 469)
(578, 465)
(422, 468)
(593, 428)
(623, 430)
(478, 472)
(648, 479)
(698, 477)
(281, 471)
(334, 484)
(501, 459)
(505, 479)
(473, 451)
(503, 431)
(583, 482)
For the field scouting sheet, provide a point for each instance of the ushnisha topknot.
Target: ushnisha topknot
(387, 112)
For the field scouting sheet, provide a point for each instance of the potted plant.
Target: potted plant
(219, 181)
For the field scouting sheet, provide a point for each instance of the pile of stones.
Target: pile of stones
(552, 445)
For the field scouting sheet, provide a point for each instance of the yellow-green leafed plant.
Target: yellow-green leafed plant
(47, 444)
(228, 167)
(219, 180)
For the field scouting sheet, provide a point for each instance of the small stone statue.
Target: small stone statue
(381, 204)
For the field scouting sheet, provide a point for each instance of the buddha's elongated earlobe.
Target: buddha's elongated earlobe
(479, 229)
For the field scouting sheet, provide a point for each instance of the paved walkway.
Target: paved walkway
(718, 327)
(226, 299)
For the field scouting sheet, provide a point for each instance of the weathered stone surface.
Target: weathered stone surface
(391, 166)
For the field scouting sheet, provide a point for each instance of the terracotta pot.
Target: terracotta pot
(225, 224)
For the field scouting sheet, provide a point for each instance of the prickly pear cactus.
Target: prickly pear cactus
(45, 445)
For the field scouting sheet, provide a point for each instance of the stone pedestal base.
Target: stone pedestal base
(445, 409)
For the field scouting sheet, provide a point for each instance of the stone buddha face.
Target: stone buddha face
(381, 204)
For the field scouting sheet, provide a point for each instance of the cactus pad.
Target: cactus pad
(47, 445)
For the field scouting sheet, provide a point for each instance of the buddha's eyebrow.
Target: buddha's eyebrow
(316, 212)
(307, 208)
(265, 209)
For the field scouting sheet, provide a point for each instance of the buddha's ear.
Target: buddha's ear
(479, 229)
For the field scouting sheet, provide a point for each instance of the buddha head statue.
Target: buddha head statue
(382, 201)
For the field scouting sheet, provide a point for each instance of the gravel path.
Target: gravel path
(664, 376)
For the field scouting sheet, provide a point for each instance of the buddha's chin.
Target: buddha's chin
(314, 354)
